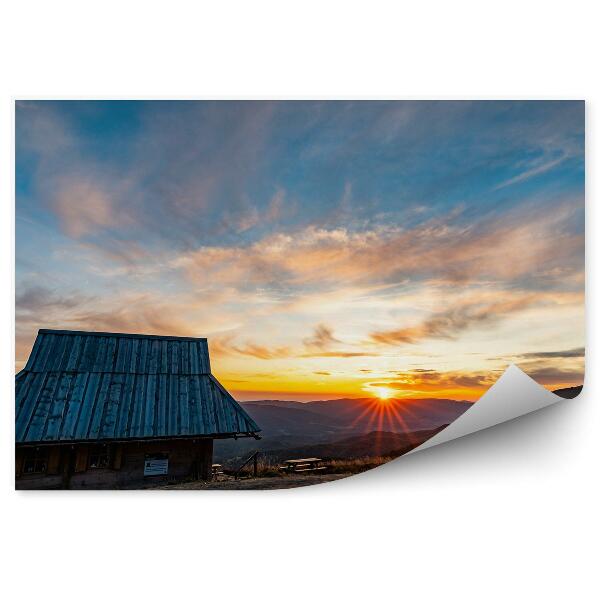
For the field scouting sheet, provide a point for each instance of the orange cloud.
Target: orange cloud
(337, 354)
(452, 321)
(554, 376)
(224, 345)
(521, 244)
(322, 337)
(83, 208)
(40, 307)
(431, 380)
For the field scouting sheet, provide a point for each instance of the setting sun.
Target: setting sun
(383, 393)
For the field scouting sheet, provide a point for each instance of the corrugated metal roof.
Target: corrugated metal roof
(99, 352)
(84, 386)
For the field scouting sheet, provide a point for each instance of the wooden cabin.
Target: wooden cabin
(114, 410)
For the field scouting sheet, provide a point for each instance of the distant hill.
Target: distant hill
(570, 392)
(366, 414)
(345, 428)
(375, 443)
(292, 420)
(287, 424)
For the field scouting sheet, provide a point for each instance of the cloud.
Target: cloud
(42, 131)
(131, 259)
(554, 376)
(276, 206)
(450, 322)
(39, 307)
(142, 317)
(122, 311)
(128, 314)
(428, 380)
(532, 172)
(573, 353)
(321, 372)
(337, 354)
(225, 345)
(186, 169)
(322, 338)
(521, 246)
(83, 208)
(36, 298)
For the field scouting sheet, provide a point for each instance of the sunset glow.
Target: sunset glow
(384, 393)
(326, 250)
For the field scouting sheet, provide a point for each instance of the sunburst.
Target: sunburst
(382, 393)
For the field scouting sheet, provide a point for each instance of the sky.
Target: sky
(325, 249)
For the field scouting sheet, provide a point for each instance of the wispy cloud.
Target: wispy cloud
(573, 353)
(430, 380)
(450, 322)
(555, 376)
(225, 345)
(441, 249)
(36, 298)
(83, 208)
(532, 172)
(321, 338)
(337, 354)
(228, 345)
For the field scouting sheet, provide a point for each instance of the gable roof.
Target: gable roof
(86, 386)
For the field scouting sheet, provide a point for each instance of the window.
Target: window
(35, 461)
(99, 457)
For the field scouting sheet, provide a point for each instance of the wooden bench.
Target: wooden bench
(303, 465)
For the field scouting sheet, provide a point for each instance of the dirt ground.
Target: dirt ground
(258, 483)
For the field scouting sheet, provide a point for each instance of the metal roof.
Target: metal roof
(86, 386)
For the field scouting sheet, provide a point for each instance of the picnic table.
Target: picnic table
(300, 465)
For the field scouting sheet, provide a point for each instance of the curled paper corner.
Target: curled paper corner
(513, 395)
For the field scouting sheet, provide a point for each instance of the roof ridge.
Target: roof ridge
(117, 334)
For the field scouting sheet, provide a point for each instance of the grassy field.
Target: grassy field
(269, 467)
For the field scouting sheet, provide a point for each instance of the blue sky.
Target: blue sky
(414, 233)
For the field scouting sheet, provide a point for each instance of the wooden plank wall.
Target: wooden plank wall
(188, 459)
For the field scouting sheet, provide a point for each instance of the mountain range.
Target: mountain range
(290, 427)
(345, 428)
(375, 443)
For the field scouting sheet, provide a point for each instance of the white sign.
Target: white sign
(156, 466)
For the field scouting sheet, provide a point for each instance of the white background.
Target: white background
(507, 513)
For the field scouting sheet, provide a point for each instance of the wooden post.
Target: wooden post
(255, 464)
(117, 457)
(68, 466)
(205, 471)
